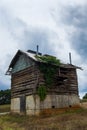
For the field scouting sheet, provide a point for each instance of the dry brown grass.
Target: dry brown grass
(84, 105)
(72, 119)
(4, 108)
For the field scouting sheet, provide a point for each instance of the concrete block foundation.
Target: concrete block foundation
(15, 105)
(34, 105)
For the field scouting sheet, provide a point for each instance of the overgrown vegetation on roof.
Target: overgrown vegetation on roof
(49, 70)
(49, 73)
(49, 59)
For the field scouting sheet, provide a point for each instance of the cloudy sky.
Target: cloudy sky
(58, 27)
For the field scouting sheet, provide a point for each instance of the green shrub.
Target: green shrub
(42, 92)
(49, 59)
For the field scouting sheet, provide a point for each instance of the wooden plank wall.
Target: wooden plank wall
(26, 81)
(65, 81)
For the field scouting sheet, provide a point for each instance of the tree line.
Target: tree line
(5, 96)
(85, 96)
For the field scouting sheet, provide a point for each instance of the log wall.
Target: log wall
(65, 81)
(25, 82)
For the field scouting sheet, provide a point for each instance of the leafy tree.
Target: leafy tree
(85, 96)
(5, 96)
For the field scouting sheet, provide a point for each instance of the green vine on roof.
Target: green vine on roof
(49, 72)
(48, 66)
(49, 69)
(49, 59)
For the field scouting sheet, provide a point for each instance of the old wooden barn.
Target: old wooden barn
(41, 82)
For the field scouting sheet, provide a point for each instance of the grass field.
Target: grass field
(69, 120)
(4, 108)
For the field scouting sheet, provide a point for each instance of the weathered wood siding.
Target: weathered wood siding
(25, 81)
(22, 63)
(26, 77)
(65, 81)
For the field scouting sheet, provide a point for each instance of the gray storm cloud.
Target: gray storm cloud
(76, 16)
(56, 26)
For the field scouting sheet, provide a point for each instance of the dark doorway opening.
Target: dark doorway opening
(23, 104)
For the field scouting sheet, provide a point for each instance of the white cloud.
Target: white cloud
(25, 22)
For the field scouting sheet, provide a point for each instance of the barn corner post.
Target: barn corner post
(36, 107)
